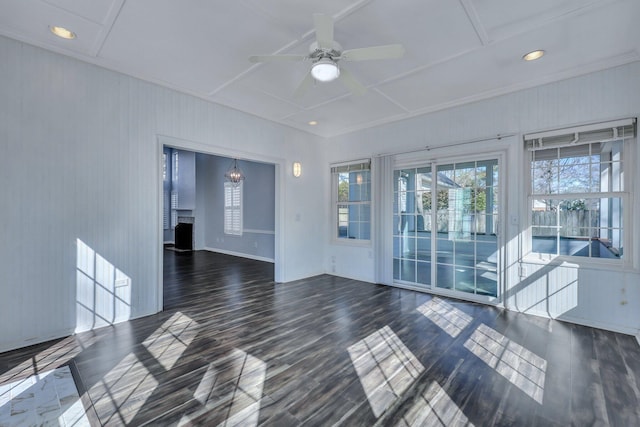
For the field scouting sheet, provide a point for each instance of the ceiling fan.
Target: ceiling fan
(325, 53)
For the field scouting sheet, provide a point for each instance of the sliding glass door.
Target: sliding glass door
(446, 227)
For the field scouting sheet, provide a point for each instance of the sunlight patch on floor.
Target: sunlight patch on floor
(434, 407)
(122, 392)
(169, 341)
(520, 366)
(237, 382)
(449, 318)
(385, 367)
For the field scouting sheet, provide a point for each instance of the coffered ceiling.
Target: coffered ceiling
(457, 51)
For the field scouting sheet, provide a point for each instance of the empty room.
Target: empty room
(350, 213)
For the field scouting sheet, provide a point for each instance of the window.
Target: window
(166, 189)
(352, 196)
(233, 208)
(578, 193)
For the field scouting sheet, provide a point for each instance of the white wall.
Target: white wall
(79, 174)
(607, 298)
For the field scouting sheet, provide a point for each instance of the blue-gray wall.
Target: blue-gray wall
(257, 240)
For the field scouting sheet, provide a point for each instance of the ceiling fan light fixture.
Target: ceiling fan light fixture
(325, 70)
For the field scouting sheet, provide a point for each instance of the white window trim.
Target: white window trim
(334, 206)
(228, 186)
(628, 262)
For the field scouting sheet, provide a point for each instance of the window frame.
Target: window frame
(628, 160)
(335, 170)
(230, 209)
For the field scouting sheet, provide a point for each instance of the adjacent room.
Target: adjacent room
(320, 213)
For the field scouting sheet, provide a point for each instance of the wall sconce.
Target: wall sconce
(297, 169)
(359, 179)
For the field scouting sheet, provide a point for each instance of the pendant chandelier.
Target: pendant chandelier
(234, 175)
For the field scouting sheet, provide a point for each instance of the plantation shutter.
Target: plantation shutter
(233, 208)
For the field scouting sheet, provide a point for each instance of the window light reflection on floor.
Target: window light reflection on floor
(169, 341)
(385, 367)
(434, 407)
(446, 316)
(520, 366)
(247, 375)
(122, 392)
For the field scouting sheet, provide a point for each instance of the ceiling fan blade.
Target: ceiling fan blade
(324, 30)
(351, 83)
(272, 58)
(304, 85)
(375, 52)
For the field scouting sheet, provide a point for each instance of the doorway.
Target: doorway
(446, 227)
(262, 230)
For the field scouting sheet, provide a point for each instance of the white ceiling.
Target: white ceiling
(457, 51)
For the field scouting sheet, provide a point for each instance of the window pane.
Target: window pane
(343, 187)
(424, 211)
(481, 175)
(408, 225)
(353, 209)
(579, 227)
(423, 249)
(396, 224)
(343, 221)
(487, 226)
(595, 177)
(424, 273)
(444, 276)
(574, 178)
(407, 270)
(465, 254)
(465, 174)
(486, 282)
(545, 178)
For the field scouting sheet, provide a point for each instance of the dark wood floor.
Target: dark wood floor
(234, 348)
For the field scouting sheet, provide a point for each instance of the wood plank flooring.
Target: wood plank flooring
(234, 348)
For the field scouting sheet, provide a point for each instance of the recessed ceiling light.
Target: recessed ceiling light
(532, 56)
(63, 32)
(313, 123)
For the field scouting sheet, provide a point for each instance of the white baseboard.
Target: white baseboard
(239, 254)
